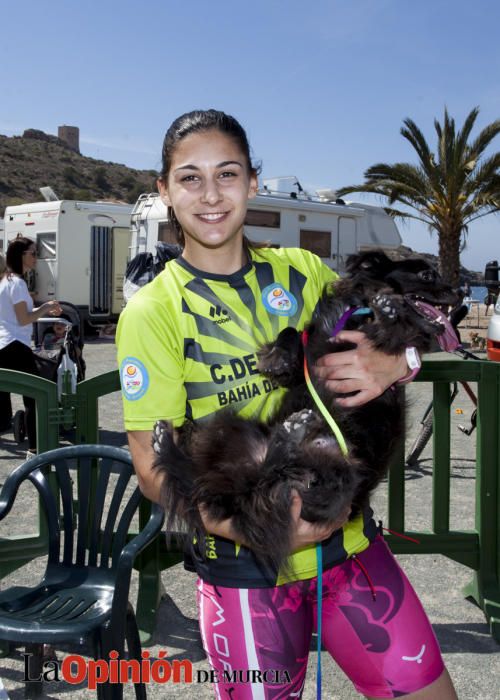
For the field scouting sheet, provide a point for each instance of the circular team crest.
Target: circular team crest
(279, 300)
(134, 378)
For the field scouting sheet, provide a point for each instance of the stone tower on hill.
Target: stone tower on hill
(70, 134)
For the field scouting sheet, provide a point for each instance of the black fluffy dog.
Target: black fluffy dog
(247, 470)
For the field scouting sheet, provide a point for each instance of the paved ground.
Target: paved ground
(472, 657)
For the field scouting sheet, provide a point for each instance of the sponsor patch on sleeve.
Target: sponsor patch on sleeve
(134, 378)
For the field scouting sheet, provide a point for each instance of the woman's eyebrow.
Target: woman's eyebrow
(223, 164)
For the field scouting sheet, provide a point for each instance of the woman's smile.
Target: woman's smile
(213, 218)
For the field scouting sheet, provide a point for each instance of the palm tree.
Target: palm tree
(447, 190)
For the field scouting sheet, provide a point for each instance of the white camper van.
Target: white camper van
(329, 227)
(82, 252)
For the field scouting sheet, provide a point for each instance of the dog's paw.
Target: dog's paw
(161, 431)
(386, 306)
(298, 423)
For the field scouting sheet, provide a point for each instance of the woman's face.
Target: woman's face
(208, 188)
(29, 258)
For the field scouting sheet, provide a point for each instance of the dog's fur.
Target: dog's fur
(247, 470)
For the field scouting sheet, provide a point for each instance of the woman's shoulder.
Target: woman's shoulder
(14, 283)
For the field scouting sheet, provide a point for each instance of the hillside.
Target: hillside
(37, 159)
(475, 279)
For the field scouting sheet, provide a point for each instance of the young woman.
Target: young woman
(178, 361)
(16, 316)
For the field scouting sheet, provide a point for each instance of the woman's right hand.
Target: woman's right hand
(51, 308)
(307, 533)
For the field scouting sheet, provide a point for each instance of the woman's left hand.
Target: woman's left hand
(363, 369)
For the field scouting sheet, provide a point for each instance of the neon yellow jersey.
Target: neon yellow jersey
(187, 345)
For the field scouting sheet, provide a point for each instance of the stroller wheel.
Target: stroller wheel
(19, 426)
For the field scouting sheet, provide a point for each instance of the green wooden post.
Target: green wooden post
(441, 463)
(485, 586)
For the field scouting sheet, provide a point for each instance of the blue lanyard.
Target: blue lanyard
(319, 597)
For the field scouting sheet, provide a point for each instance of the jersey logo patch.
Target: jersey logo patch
(134, 378)
(278, 300)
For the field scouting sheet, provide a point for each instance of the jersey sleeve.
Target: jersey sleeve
(151, 366)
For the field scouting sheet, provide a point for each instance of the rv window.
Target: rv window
(166, 232)
(46, 246)
(264, 219)
(318, 242)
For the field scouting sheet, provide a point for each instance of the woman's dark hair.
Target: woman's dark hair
(15, 252)
(197, 122)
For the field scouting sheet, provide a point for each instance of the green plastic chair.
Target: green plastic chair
(83, 594)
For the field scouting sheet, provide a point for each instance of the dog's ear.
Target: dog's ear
(374, 262)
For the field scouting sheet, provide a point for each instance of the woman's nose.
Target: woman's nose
(211, 193)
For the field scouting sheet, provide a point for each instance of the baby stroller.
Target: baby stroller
(58, 356)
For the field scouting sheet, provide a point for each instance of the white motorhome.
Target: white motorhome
(329, 227)
(82, 252)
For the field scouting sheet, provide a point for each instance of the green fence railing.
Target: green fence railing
(478, 549)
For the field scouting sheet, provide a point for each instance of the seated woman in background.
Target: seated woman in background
(16, 318)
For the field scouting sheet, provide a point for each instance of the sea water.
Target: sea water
(478, 293)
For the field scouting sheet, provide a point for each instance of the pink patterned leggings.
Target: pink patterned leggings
(258, 639)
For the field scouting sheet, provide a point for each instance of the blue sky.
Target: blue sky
(321, 87)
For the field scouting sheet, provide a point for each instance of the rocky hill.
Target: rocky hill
(475, 279)
(37, 159)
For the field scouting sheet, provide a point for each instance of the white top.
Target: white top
(13, 289)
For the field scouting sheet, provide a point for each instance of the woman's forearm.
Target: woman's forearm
(143, 457)
(25, 317)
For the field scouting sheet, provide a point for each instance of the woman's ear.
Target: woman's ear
(163, 191)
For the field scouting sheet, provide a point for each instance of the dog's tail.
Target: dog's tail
(177, 487)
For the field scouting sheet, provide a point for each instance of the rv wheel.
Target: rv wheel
(19, 426)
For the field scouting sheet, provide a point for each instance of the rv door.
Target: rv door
(121, 240)
(46, 267)
(108, 260)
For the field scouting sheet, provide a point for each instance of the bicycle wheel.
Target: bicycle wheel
(421, 440)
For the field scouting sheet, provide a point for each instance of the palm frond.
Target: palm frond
(483, 140)
(464, 133)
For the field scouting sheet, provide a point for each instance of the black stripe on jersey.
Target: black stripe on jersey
(241, 392)
(200, 390)
(265, 277)
(297, 284)
(194, 351)
(207, 327)
(248, 299)
(200, 288)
